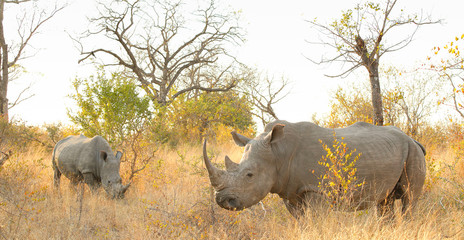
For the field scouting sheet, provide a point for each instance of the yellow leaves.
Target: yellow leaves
(339, 181)
(451, 59)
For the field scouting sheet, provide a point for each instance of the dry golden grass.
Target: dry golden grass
(171, 199)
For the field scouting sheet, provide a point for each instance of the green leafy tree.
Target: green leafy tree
(207, 113)
(109, 105)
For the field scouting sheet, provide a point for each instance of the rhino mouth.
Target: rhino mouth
(229, 202)
(116, 191)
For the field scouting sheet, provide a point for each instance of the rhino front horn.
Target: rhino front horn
(124, 188)
(214, 173)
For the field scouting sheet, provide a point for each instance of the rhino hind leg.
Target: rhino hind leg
(411, 182)
(56, 176)
(387, 206)
(407, 196)
(408, 190)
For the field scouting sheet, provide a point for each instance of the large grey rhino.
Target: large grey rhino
(90, 160)
(284, 160)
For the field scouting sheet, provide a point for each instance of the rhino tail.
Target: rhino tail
(421, 146)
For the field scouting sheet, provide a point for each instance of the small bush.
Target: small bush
(339, 182)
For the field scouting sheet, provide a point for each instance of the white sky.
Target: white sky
(275, 44)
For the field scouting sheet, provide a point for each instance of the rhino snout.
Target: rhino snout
(116, 191)
(229, 202)
(119, 195)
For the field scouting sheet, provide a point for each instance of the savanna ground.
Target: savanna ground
(172, 199)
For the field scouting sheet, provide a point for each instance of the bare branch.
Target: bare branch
(29, 26)
(265, 92)
(339, 35)
(17, 1)
(20, 99)
(205, 89)
(34, 27)
(345, 73)
(159, 48)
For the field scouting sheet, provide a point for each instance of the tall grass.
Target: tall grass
(172, 199)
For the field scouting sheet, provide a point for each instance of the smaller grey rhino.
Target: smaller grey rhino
(89, 160)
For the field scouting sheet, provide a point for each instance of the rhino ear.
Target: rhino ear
(103, 155)
(276, 134)
(240, 139)
(118, 155)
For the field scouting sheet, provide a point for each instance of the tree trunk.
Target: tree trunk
(4, 68)
(376, 94)
(4, 83)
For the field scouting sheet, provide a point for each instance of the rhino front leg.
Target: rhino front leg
(91, 181)
(295, 209)
(305, 200)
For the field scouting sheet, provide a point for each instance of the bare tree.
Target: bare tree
(161, 48)
(455, 80)
(412, 96)
(409, 99)
(264, 92)
(10, 54)
(358, 39)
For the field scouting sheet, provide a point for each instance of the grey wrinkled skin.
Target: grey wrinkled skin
(88, 160)
(284, 160)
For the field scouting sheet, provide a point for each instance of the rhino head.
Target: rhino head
(245, 184)
(109, 174)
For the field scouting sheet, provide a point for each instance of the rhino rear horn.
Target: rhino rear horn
(215, 174)
(230, 165)
(239, 139)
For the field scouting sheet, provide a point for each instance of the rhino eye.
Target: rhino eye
(250, 175)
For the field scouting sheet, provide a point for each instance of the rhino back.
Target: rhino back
(75, 155)
(383, 154)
